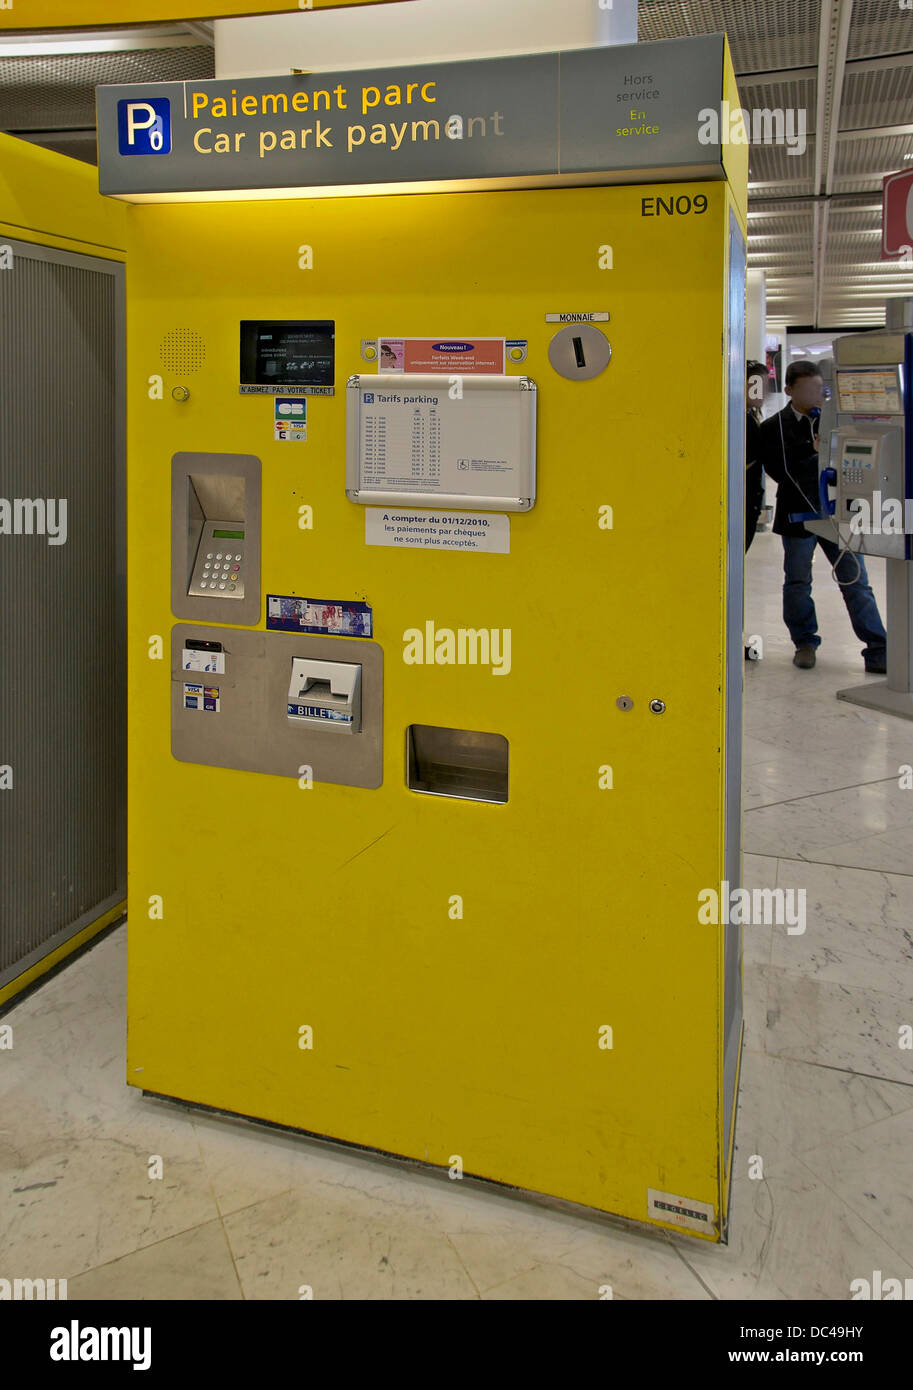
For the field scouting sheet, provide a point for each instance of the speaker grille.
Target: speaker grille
(182, 351)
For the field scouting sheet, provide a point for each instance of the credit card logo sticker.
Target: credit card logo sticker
(144, 127)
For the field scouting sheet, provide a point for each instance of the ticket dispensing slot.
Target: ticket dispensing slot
(327, 693)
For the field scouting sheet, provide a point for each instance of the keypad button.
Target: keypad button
(231, 588)
(237, 557)
(202, 583)
(218, 554)
(221, 586)
(209, 555)
(212, 586)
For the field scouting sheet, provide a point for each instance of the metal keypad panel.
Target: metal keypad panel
(219, 568)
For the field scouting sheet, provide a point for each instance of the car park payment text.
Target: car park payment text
(208, 140)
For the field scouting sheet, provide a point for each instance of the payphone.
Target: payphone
(867, 471)
(865, 482)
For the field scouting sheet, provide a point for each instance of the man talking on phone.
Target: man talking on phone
(789, 450)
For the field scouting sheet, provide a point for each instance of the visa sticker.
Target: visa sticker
(203, 697)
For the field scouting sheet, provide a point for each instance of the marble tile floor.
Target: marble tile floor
(826, 1100)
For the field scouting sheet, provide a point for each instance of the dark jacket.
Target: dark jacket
(789, 456)
(754, 475)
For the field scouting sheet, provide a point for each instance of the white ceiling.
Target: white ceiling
(815, 218)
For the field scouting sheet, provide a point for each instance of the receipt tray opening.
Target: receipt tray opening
(462, 763)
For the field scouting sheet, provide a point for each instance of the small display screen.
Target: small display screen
(279, 355)
(859, 448)
(228, 535)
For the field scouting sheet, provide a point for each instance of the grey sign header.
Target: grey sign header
(610, 112)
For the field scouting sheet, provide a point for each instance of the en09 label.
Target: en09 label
(673, 206)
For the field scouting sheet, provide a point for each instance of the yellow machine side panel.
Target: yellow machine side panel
(732, 746)
(735, 155)
(49, 198)
(434, 1034)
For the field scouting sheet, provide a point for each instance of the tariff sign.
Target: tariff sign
(897, 215)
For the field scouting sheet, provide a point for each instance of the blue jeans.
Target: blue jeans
(799, 606)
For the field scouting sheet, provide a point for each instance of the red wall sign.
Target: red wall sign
(897, 215)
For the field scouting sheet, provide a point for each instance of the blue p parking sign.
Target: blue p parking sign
(144, 127)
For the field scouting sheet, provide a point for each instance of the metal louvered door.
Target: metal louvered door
(62, 592)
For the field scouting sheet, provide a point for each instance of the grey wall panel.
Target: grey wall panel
(61, 604)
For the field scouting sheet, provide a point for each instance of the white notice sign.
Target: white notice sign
(433, 530)
(436, 441)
